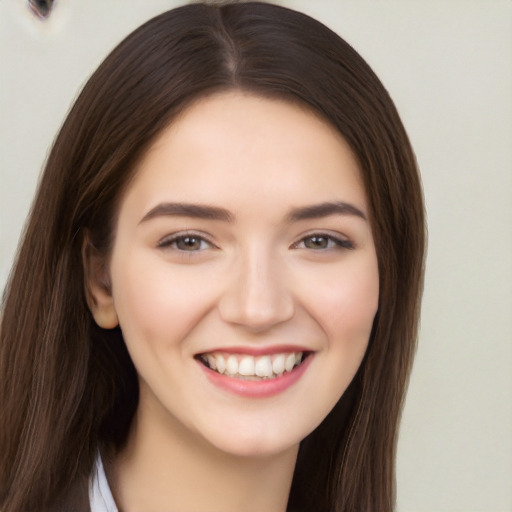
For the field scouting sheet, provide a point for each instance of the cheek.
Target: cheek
(154, 304)
(344, 307)
(346, 302)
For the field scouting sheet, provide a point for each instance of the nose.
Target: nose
(257, 296)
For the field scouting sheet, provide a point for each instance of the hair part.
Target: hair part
(69, 387)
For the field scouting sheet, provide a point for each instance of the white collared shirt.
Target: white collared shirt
(100, 496)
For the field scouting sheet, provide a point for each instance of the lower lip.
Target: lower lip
(257, 388)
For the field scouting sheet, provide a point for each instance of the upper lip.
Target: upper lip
(257, 351)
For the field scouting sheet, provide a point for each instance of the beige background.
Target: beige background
(448, 65)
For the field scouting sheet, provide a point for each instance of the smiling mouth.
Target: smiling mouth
(247, 367)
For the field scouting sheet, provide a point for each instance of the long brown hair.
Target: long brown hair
(68, 387)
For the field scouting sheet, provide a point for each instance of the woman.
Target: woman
(215, 303)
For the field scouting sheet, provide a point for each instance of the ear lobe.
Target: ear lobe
(97, 287)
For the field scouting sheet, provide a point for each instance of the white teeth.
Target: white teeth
(253, 368)
(232, 365)
(211, 362)
(278, 364)
(263, 367)
(289, 363)
(246, 366)
(221, 364)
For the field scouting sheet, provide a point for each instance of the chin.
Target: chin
(255, 442)
(256, 448)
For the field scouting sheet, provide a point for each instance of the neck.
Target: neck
(167, 469)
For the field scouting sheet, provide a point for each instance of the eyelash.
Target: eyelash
(333, 242)
(172, 241)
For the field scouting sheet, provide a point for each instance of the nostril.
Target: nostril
(41, 8)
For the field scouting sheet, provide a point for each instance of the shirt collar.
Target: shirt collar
(100, 495)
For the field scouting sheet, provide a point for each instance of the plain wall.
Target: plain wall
(448, 66)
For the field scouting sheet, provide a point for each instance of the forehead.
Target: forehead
(233, 146)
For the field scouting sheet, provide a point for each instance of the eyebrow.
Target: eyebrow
(197, 211)
(318, 211)
(200, 211)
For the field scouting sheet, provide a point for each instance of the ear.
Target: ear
(98, 290)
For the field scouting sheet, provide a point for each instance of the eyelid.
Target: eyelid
(166, 241)
(341, 241)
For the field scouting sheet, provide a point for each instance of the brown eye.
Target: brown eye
(316, 242)
(186, 243)
(321, 242)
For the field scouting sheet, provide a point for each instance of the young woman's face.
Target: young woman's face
(244, 274)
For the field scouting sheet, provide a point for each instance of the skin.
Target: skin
(258, 279)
